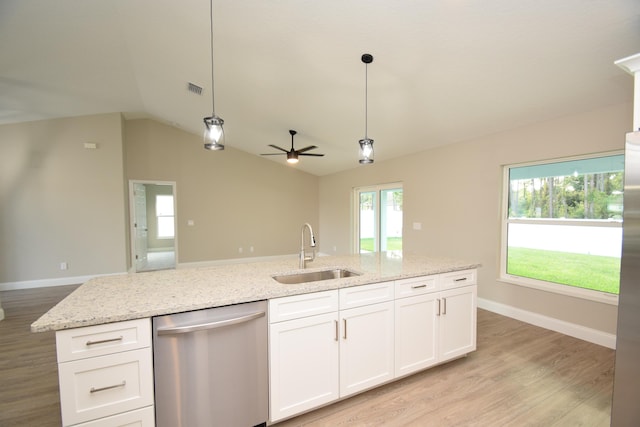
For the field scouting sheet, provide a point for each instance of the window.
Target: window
(378, 218)
(164, 214)
(562, 225)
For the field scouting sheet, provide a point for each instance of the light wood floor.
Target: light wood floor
(521, 375)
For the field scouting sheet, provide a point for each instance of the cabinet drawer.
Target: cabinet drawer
(144, 417)
(101, 386)
(415, 286)
(297, 306)
(357, 296)
(457, 279)
(80, 343)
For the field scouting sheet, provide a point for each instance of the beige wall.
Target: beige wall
(235, 200)
(455, 192)
(61, 202)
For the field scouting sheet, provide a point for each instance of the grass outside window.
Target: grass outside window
(393, 244)
(599, 273)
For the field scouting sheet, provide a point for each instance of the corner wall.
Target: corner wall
(61, 202)
(455, 192)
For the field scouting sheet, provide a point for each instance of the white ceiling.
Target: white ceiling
(443, 71)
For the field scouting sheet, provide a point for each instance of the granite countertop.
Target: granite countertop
(116, 298)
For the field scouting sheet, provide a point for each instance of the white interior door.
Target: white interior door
(140, 225)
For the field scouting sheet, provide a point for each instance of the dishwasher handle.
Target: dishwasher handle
(211, 325)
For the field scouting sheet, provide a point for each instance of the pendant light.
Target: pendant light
(213, 131)
(366, 144)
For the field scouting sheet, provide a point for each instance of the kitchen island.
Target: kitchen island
(116, 298)
(403, 313)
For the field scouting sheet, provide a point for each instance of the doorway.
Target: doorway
(152, 225)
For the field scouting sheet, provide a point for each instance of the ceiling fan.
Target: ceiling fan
(292, 155)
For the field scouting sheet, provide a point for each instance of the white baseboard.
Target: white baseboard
(43, 283)
(577, 331)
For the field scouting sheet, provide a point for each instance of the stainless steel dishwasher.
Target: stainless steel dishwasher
(210, 367)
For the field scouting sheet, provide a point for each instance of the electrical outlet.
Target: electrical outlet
(64, 266)
(239, 250)
(251, 249)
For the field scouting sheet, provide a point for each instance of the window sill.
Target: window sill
(557, 288)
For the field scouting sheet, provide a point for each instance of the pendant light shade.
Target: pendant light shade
(366, 151)
(366, 144)
(213, 131)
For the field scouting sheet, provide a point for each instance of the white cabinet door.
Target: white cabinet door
(457, 322)
(366, 347)
(303, 359)
(416, 333)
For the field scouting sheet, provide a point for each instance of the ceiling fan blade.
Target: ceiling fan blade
(273, 154)
(310, 154)
(302, 150)
(278, 148)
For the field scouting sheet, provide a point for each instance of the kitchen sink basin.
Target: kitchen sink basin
(314, 276)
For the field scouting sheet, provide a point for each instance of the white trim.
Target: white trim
(132, 220)
(558, 288)
(577, 331)
(44, 283)
(574, 291)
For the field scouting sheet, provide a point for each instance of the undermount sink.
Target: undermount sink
(314, 276)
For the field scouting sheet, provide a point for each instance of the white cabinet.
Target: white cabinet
(458, 307)
(318, 354)
(105, 372)
(328, 345)
(435, 320)
(303, 353)
(366, 347)
(457, 322)
(416, 329)
(366, 337)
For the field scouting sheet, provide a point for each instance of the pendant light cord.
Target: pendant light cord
(366, 99)
(213, 104)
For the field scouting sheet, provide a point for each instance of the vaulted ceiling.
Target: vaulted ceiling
(444, 70)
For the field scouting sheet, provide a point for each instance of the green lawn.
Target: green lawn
(393, 244)
(600, 273)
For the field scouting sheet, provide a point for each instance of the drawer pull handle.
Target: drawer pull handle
(444, 311)
(96, 390)
(438, 307)
(418, 286)
(337, 327)
(462, 279)
(88, 343)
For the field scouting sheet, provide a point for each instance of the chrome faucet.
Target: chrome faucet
(312, 243)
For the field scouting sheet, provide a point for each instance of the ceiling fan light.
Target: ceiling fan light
(366, 151)
(292, 158)
(213, 133)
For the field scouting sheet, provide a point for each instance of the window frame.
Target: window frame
(378, 188)
(568, 290)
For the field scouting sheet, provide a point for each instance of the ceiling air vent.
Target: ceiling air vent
(194, 88)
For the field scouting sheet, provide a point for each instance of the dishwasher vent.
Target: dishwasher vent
(191, 87)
